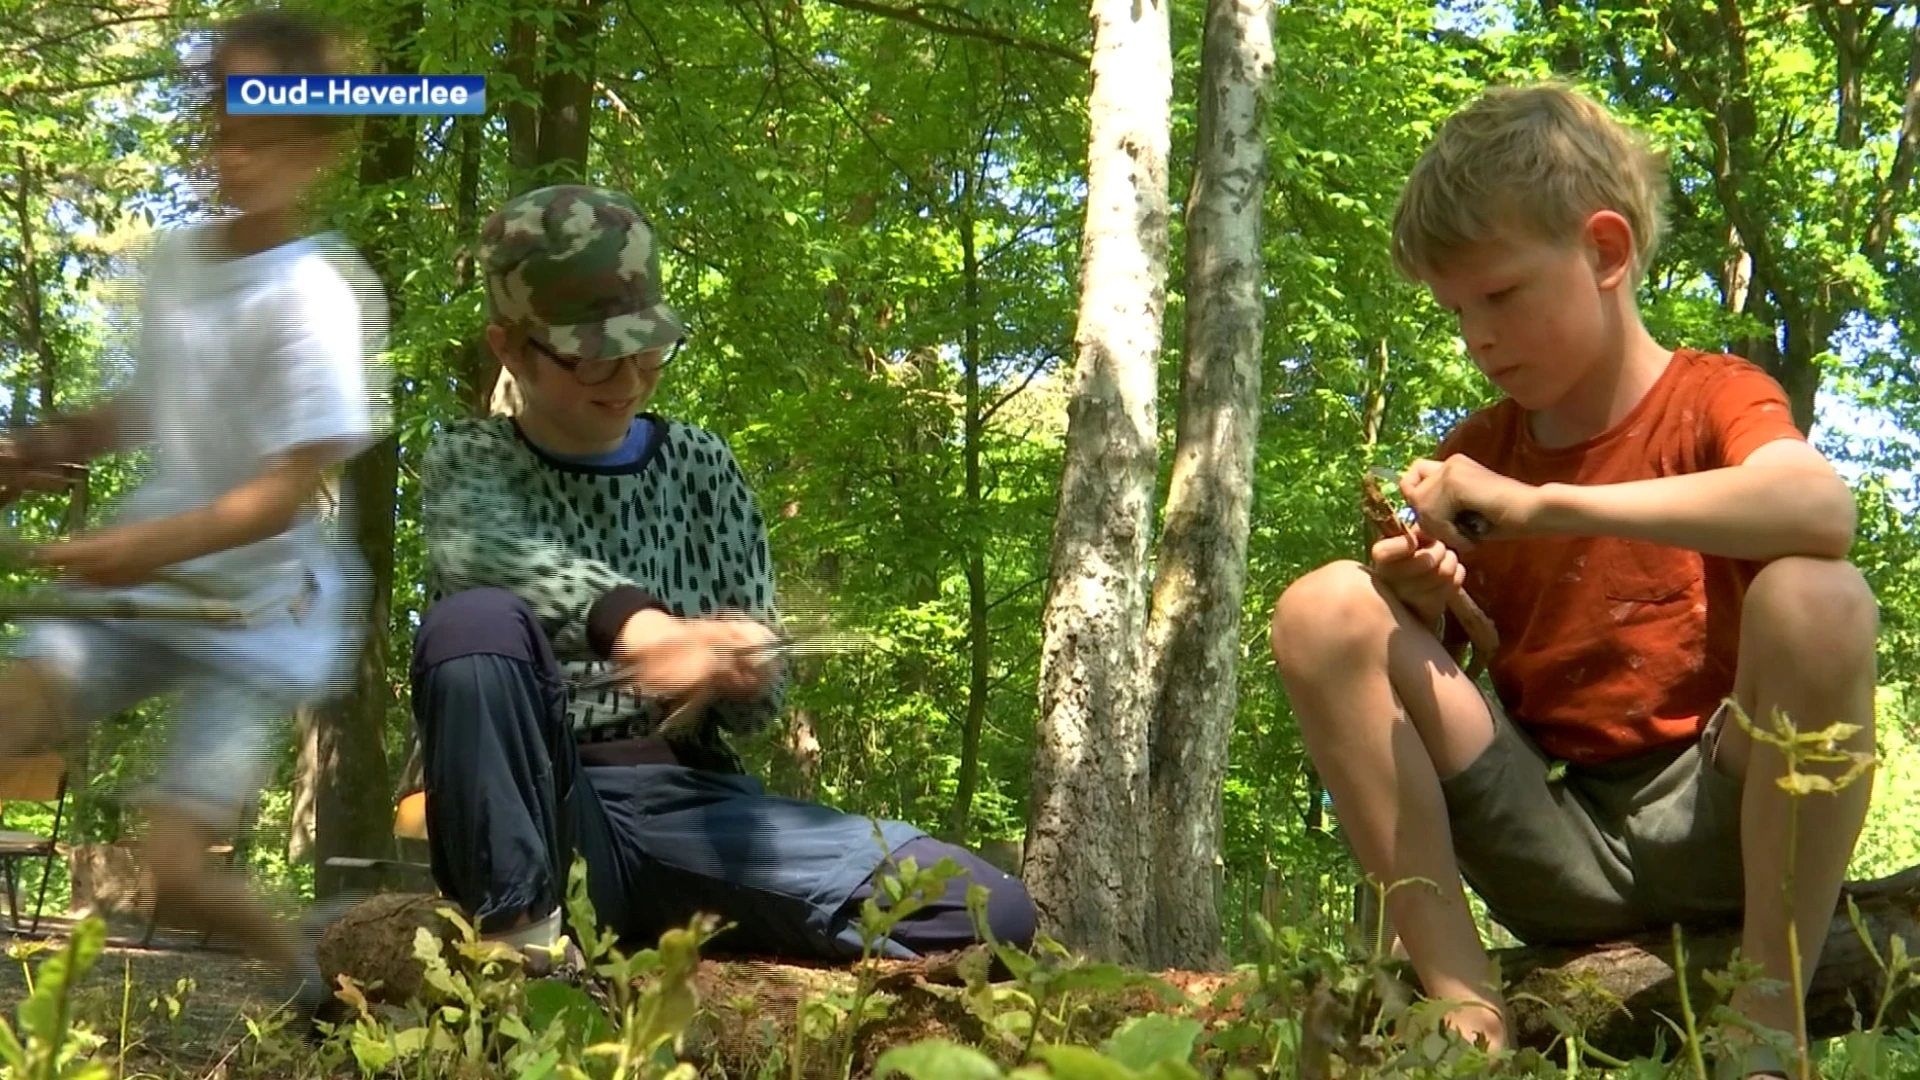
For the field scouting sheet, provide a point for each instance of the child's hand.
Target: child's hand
(1423, 573)
(24, 452)
(744, 659)
(109, 558)
(677, 658)
(1442, 492)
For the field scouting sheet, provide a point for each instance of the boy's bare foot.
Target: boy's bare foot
(1742, 1057)
(1479, 1020)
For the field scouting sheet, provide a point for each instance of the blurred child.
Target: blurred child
(251, 381)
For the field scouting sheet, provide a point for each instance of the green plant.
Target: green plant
(46, 1045)
(651, 995)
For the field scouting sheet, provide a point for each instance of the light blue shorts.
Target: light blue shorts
(236, 688)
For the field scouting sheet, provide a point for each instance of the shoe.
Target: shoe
(563, 960)
(307, 999)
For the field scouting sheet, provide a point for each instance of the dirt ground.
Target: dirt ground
(196, 1034)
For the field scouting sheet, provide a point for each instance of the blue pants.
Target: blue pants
(509, 804)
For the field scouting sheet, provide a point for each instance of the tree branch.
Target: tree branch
(807, 69)
(104, 24)
(1900, 174)
(917, 16)
(92, 84)
(1032, 372)
(1004, 597)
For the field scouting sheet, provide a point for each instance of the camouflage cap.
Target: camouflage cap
(577, 267)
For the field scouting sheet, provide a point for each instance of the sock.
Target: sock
(538, 934)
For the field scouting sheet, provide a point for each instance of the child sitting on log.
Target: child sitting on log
(1664, 542)
(600, 578)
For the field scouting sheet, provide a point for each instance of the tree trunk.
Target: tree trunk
(301, 822)
(352, 791)
(979, 644)
(474, 365)
(1193, 639)
(566, 93)
(523, 117)
(33, 304)
(1087, 847)
(353, 803)
(549, 145)
(1368, 918)
(752, 1005)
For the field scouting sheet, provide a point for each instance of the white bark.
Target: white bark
(1086, 853)
(1193, 641)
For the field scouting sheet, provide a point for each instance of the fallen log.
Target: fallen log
(1615, 993)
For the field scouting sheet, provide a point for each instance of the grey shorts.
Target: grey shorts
(224, 731)
(1601, 851)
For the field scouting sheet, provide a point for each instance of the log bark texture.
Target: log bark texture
(1615, 992)
(1618, 991)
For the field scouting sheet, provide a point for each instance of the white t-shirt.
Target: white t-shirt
(241, 360)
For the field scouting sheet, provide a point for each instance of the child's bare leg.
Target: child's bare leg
(189, 883)
(32, 705)
(1386, 714)
(1806, 648)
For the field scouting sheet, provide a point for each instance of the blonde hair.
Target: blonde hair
(1538, 158)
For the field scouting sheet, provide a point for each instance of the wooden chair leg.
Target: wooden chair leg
(153, 922)
(46, 865)
(40, 901)
(13, 897)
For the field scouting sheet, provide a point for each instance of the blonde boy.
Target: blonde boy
(1663, 539)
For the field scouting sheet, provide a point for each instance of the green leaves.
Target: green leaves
(1153, 1047)
(936, 1059)
(1147, 1041)
(44, 1044)
(1081, 1063)
(552, 1000)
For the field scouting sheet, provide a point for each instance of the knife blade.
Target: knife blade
(823, 643)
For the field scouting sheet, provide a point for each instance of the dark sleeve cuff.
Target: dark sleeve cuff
(611, 612)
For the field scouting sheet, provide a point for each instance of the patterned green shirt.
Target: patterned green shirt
(680, 524)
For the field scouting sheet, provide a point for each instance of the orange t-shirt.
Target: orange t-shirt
(1609, 647)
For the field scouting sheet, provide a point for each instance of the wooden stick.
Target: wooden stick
(117, 607)
(1480, 629)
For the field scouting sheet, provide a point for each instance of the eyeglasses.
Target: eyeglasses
(599, 369)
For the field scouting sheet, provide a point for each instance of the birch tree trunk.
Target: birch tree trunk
(1193, 638)
(1086, 855)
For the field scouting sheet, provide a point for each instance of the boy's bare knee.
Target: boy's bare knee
(175, 852)
(1332, 612)
(1819, 614)
(32, 704)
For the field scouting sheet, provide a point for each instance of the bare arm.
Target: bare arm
(262, 507)
(1784, 499)
(77, 438)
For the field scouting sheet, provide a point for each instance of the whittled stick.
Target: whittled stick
(1479, 628)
